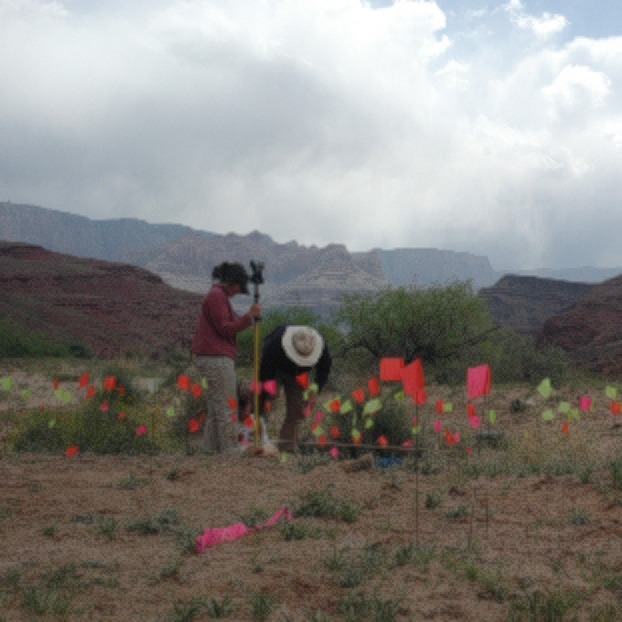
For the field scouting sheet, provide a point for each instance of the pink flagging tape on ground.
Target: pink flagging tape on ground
(216, 535)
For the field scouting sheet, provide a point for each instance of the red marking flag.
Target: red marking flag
(391, 368)
(412, 378)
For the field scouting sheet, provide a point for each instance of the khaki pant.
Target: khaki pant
(294, 412)
(220, 432)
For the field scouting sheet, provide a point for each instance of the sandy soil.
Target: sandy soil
(69, 541)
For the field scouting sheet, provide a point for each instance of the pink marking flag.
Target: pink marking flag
(479, 381)
(269, 386)
(334, 452)
(585, 402)
(216, 535)
(475, 422)
(437, 426)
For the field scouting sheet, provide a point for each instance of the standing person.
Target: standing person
(215, 349)
(288, 352)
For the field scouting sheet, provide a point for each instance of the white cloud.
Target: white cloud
(318, 120)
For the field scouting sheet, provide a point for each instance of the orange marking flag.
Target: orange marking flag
(193, 426)
(72, 451)
(420, 397)
(382, 440)
(479, 381)
(303, 380)
(358, 395)
(110, 382)
(615, 408)
(196, 390)
(183, 382)
(374, 387)
(84, 379)
(391, 368)
(412, 378)
(440, 406)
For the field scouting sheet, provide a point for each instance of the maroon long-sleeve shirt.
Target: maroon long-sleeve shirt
(218, 326)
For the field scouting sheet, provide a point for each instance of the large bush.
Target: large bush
(440, 324)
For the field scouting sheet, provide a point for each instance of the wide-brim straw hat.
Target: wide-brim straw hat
(303, 345)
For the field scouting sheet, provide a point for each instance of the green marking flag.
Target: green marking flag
(448, 407)
(318, 431)
(415, 430)
(6, 383)
(355, 433)
(526, 434)
(59, 394)
(52, 423)
(27, 393)
(399, 396)
(548, 415)
(170, 412)
(545, 389)
(492, 416)
(611, 393)
(573, 414)
(314, 387)
(67, 396)
(283, 457)
(564, 407)
(346, 407)
(326, 406)
(204, 382)
(372, 406)
(369, 422)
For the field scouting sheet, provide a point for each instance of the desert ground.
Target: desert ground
(527, 530)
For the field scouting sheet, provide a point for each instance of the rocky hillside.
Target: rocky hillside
(110, 307)
(525, 303)
(591, 329)
(184, 257)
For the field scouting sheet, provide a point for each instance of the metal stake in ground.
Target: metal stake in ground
(257, 280)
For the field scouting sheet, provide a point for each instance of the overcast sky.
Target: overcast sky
(488, 127)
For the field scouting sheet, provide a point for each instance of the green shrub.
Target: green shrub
(88, 427)
(17, 342)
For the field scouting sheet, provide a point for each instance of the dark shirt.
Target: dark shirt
(273, 359)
